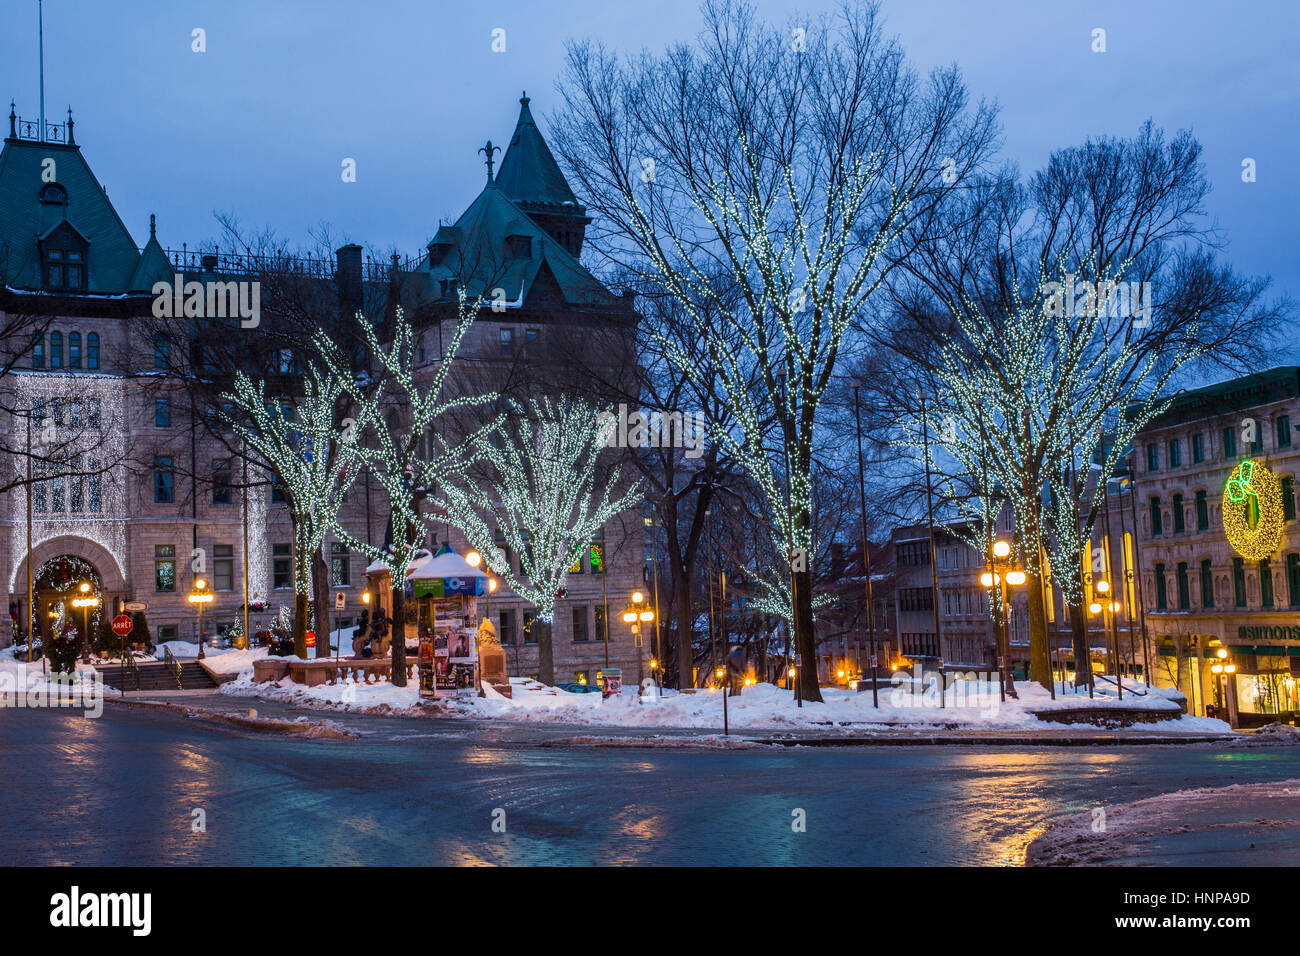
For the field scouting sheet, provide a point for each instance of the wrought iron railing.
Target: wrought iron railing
(174, 666)
(251, 264)
(129, 667)
(20, 128)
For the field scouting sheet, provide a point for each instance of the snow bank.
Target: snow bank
(1213, 820)
(968, 705)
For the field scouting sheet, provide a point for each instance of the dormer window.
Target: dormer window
(54, 194)
(63, 259)
(65, 269)
(521, 247)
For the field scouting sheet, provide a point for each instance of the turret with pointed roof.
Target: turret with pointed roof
(531, 178)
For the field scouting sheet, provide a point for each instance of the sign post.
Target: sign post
(121, 626)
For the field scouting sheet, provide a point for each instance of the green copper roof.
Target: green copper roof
(529, 173)
(112, 257)
(153, 266)
(1236, 394)
(482, 259)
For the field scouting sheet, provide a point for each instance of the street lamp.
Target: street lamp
(473, 559)
(491, 589)
(200, 595)
(85, 602)
(654, 672)
(999, 555)
(1221, 669)
(1112, 608)
(634, 615)
(792, 674)
(721, 674)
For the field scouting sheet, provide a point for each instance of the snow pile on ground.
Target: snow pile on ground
(23, 684)
(379, 697)
(1213, 820)
(968, 705)
(1270, 735)
(662, 742)
(234, 661)
(184, 650)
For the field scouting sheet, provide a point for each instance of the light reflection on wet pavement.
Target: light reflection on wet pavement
(121, 790)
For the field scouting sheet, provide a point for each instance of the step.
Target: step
(158, 675)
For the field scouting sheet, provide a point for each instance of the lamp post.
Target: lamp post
(1105, 608)
(654, 672)
(85, 602)
(1221, 669)
(1102, 587)
(200, 595)
(721, 675)
(1000, 557)
(636, 614)
(793, 672)
(866, 546)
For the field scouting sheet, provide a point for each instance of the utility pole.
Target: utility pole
(31, 609)
(248, 637)
(866, 545)
(934, 565)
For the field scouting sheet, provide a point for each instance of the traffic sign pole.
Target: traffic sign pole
(121, 626)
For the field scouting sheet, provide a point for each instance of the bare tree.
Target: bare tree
(790, 162)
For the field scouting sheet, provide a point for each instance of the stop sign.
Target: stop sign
(122, 625)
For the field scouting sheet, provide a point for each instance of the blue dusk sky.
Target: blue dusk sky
(258, 124)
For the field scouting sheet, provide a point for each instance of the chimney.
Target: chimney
(208, 261)
(347, 275)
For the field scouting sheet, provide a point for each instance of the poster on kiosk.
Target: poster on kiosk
(444, 590)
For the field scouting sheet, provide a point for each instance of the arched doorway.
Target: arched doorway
(57, 583)
(55, 564)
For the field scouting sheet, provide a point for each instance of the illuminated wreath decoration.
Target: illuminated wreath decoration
(1252, 487)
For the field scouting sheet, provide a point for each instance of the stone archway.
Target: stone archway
(58, 567)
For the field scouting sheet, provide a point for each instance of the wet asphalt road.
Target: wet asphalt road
(123, 790)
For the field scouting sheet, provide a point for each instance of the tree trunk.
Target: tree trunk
(398, 674)
(685, 644)
(1040, 659)
(546, 651)
(1082, 652)
(321, 596)
(300, 623)
(805, 641)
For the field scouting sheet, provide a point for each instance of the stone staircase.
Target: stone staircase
(157, 675)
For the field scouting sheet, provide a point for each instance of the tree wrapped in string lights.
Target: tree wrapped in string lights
(302, 442)
(1021, 390)
(545, 494)
(393, 438)
(758, 179)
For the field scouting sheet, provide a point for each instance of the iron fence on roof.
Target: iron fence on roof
(242, 263)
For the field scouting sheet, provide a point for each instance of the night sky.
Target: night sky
(258, 125)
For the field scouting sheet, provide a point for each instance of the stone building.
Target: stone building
(148, 496)
(1201, 595)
